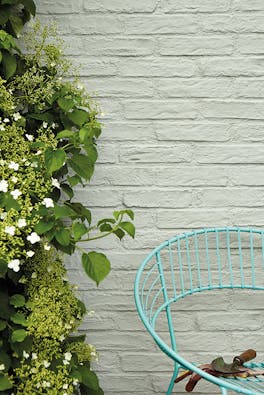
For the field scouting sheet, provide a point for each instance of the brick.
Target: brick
(109, 109)
(239, 197)
(116, 46)
(192, 131)
(114, 382)
(245, 23)
(193, 87)
(120, 87)
(98, 197)
(125, 131)
(156, 24)
(136, 362)
(158, 198)
(244, 5)
(230, 154)
(193, 218)
(155, 154)
(249, 217)
(192, 176)
(107, 154)
(232, 109)
(245, 88)
(121, 176)
(88, 66)
(250, 44)
(157, 67)
(58, 7)
(120, 6)
(86, 24)
(196, 45)
(160, 109)
(247, 175)
(233, 67)
(171, 6)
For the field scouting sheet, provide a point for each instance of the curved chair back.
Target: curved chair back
(203, 260)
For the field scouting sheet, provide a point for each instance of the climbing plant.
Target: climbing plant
(48, 133)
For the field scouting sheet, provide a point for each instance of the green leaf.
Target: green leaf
(63, 212)
(3, 268)
(96, 266)
(88, 391)
(65, 104)
(5, 310)
(47, 116)
(44, 226)
(5, 383)
(63, 237)
(67, 189)
(4, 15)
(54, 159)
(16, 23)
(119, 233)
(3, 325)
(74, 180)
(10, 203)
(65, 134)
(82, 211)
(19, 335)
(91, 152)
(102, 221)
(82, 166)
(84, 134)
(79, 117)
(19, 318)
(17, 300)
(89, 379)
(5, 359)
(117, 214)
(30, 6)
(129, 228)
(78, 229)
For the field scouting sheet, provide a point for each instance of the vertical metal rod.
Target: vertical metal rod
(180, 266)
(240, 259)
(252, 258)
(229, 257)
(166, 299)
(208, 259)
(219, 265)
(172, 270)
(189, 262)
(197, 260)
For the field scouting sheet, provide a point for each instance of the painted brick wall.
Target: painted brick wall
(181, 86)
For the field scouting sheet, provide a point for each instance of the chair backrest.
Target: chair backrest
(207, 259)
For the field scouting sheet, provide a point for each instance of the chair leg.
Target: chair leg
(224, 391)
(174, 375)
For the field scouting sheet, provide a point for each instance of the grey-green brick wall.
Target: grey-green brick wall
(181, 87)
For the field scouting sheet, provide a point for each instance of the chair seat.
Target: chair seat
(254, 384)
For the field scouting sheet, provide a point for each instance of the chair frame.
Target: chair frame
(179, 361)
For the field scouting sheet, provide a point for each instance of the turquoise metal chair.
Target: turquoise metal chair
(203, 260)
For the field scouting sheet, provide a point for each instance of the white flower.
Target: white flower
(21, 222)
(38, 152)
(34, 355)
(14, 179)
(47, 247)
(3, 215)
(2, 128)
(25, 354)
(2, 367)
(46, 363)
(75, 382)
(53, 125)
(16, 116)
(67, 326)
(34, 164)
(29, 137)
(2, 162)
(13, 165)
(62, 337)
(3, 186)
(30, 253)
(55, 183)
(45, 125)
(53, 64)
(6, 120)
(48, 202)
(14, 265)
(10, 230)
(33, 238)
(68, 356)
(34, 275)
(65, 386)
(16, 193)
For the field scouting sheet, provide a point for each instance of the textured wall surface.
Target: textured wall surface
(181, 86)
